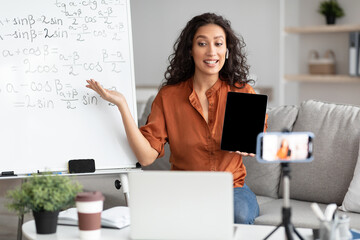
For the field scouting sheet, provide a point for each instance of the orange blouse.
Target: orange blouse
(176, 117)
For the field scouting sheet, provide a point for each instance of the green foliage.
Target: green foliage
(331, 8)
(43, 192)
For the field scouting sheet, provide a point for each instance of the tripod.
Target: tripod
(286, 209)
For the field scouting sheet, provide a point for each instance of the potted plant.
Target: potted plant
(45, 195)
(331, 10)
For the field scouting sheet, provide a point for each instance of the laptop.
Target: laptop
(244, 119)
(184, 205)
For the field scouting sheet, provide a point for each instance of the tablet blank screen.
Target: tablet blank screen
(244, 120)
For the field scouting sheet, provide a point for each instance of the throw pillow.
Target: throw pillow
(352, 198)
(336, 149)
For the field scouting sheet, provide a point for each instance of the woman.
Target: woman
(188, 112)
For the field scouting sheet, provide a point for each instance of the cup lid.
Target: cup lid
(89, 196)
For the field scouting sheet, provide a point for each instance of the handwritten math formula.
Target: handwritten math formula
(47, 52)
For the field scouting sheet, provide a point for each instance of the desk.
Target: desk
(252, 232)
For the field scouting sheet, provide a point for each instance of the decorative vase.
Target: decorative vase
(46, 222)
(330, 19)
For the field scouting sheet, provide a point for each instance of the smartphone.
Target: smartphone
(285, 147)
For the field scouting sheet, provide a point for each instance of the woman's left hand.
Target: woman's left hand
(245, 154)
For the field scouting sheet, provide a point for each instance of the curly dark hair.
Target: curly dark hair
(182, 66)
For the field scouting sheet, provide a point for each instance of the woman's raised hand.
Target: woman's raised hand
(108, 95)
(139, 144)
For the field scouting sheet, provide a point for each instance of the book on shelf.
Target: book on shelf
(116, 217)
(354, 54)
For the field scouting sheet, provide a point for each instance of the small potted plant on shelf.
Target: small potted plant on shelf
(45, 195)
(331, 10)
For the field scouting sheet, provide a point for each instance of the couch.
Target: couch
(333, 176)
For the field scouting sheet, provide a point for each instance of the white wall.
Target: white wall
(157, 24)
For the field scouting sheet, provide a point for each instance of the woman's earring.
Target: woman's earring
(227, 53)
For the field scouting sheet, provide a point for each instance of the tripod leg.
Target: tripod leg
(289, 231)
(273, 231)
(286, 210)
(298, 234)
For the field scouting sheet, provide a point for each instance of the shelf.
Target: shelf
(324, 29)
(322, 78)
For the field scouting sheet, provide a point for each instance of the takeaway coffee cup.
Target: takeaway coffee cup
(89, 207)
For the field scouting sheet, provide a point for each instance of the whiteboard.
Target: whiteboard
(48, 48)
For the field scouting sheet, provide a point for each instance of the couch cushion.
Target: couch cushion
(336, 147)
(161, 163)
(263, 179)
(301, 213)
(352, 198)
(262, 199)
(282, 117)
(144, 116)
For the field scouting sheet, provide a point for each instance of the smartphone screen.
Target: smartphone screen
(285, 147)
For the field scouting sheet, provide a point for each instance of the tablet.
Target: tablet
(244, 119)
